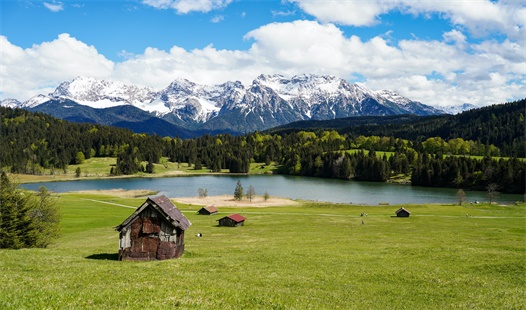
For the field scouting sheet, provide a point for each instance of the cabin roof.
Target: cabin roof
(235, 217)
(164, 206)
(211, 209)
(402, 209)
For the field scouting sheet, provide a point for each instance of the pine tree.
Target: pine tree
(26, 221)
(238, 192)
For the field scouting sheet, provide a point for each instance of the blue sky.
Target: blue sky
(436, 52)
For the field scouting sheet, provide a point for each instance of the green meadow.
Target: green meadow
(306, 256)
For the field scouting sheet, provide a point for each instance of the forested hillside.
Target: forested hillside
(32, 141)
(501, 125)
(36, 143)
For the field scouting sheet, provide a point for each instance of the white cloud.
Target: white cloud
(55, 6)
(356, 13)
(217, 19)
(479, 16)
(187, 6)
(283, 13)
(27, 72)
(449, 71)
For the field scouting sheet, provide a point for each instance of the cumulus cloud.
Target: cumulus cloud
(436, 72)
(356, 13)
(55, 6)
(27, 72)
(187, 6)
(480, 17)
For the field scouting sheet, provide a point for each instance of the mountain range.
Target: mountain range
(187, 109)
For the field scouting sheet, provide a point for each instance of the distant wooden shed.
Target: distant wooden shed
(402, 213)
(154, 231)
(208, 210)
(232, 220)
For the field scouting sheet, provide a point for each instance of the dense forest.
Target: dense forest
(31, 142)
(501, 125)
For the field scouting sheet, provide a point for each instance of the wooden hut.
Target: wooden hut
(232, 220)
(402, 213)
(208, 210)
(154, 231)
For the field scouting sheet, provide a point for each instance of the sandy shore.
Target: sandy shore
(228, 200)
(218, 201)
(122, 193)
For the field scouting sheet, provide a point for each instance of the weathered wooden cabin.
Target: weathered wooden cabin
(232, 220)
(208, 210)
(154, 231)
(402, 213)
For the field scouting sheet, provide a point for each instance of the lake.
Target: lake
(316, 189)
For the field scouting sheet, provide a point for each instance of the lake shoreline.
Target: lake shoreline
(292, 187)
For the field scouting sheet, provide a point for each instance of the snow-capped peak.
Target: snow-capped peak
(304, 86)
(10, 103)
(103, 94)
(35, 101)
(393, 97)
(456, 109)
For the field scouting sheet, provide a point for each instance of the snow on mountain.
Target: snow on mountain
(271, 100)
(35, 101)
(301, 86)
(190, 101)
(393, 97)
(10, 103)
(103, 94)
(457, 109)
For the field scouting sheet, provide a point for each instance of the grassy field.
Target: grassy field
(311, 256)
(99, 167)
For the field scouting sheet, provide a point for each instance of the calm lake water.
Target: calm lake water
(327, 190)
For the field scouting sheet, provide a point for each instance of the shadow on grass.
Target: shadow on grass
(104, 256)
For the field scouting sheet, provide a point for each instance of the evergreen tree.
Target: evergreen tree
(238, 192)
(14, 215)
(150, 168)
(26, 221)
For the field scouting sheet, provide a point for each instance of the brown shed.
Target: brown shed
(232, 220)
(208, 210)
(154, 231)
(402, 213)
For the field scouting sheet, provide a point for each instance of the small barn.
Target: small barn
(208, 210)
(154, 231)
(402, 213)
(232, 220)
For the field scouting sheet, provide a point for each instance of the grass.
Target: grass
(99, 167)
(312, 256)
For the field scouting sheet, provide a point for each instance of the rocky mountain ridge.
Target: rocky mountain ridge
(271, 100)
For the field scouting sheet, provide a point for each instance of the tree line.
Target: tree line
(501, 125)
(32, 142)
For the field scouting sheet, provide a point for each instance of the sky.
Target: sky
(438, 52)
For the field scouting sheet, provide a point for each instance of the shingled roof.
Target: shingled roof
(164, 206)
